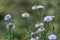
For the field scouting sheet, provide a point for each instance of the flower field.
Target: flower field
(29, 19)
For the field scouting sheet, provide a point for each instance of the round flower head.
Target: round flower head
(7, 17)
(10, 26)
(52, 37)
(37, 38)
(32, 38)
(41, 29)
(35, 7)
(40, 7)
(25, 15)
(39, 24)
(48, 18)
(32, 33)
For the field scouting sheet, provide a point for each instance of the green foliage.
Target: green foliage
(1, 15)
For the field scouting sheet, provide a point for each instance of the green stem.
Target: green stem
(35, 15)
(26, 21)
(53, 28)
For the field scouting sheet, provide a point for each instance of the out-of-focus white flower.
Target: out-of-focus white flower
(40, 7)
(48, 18)
(10, 26)
(52, 37)
(32, 38)
(36, 38)
(41, 29)
(7, 17)
(32, 33)
(35, 7)
(39, 24)
(25, 15)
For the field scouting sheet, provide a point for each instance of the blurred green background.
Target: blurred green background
(17, 7)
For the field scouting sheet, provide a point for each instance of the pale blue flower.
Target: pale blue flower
(52, 37)
(7, 17)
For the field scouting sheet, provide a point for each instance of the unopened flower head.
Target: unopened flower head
(35, 7)
(53, 16)
(52, 37)
(41, 7)
(48, 18)
(41, 29)
(7, 17)
(25, 15)
(10, 26)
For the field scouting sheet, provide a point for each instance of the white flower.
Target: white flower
(7, 17)
(35, 7)
(10, 26)
(41, 29)
(32, 38)
(40, 7)
(38, 25)
(41, 24)
(32, 33)
(36, 38)
(48, 18)
(25, 15)
(52, 37)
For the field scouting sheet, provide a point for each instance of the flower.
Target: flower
(35, 7)
(48, 18)
(7, 17)
(32, 33)
(39, 24)
(40, 7)
(41, 29)
(32, 38)
(25, 15)
(10, 26)
(52, 37)
(36, 38)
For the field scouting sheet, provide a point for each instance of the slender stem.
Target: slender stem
(35, 15)
(38, 15)
(53, 28)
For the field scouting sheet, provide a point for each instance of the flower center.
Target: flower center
(25, 13)
(35, 6)
(38, 22)
(41, 27)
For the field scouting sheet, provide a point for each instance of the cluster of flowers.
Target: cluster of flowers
(38, 25)
(9, 26)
